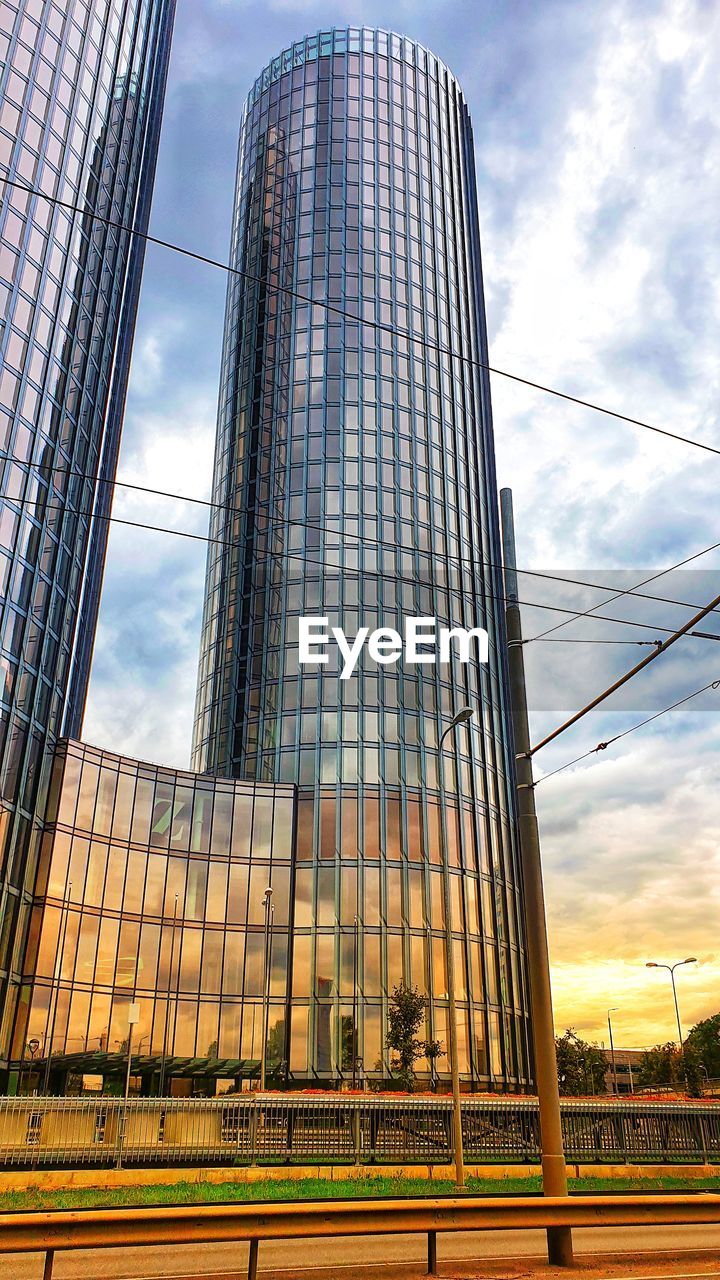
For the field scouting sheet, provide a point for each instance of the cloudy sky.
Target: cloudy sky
(598, 156)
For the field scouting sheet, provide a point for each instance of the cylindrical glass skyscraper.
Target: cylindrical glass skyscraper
(82, 88)
(354, 481)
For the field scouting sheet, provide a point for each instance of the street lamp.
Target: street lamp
(166, 1026)
(133, 1019)
(612, 1050)
(651, 964)
(462, 717)
(354, 1038)
(582, 1063)
(269, 909)
(57, 975)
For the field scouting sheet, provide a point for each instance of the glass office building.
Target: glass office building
(354, 480)
(82, 86)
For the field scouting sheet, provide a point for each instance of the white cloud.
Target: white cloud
(598, 273)
(599, 167)
(143, 682)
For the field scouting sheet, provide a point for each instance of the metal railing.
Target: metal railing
(185, 1224)
(276, 1130)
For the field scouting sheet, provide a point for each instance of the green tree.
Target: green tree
(704, 1039)
(665, 1065)
(659, 1065)
(581, 1066)
(275, 1051)
(348, 1042)
(405, 1016)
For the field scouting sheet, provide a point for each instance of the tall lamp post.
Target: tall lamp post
(651, 964)
(612, 1050)
(163, 1059)
(554, 1169)
(267, 902)
(354, 1038)
(462, 717)
(133, 1019)
(57, 975)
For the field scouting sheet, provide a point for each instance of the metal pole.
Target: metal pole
(432, 1253)
(683, 1064)
(253, 1260)
(651, 964)
(677, 1008)
(266, 987)
(133, 1017)
(354, 1045)
(450, 966)
(129, 1063)
(56, 984)
(612, 1052)
(161, 1082)
(554, 1171)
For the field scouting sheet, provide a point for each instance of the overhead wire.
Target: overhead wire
(270, 525)
(428, 345)
(377, 325)
(602, 746)
(591, 612)
(302, 555)
(628, 675)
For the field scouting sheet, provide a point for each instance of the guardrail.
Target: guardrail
(204, 1224)
(281, 1129)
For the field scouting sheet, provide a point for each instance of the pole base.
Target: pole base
(560, 1247)
(432, 1253)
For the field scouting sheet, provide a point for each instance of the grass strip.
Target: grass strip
(318, 1189)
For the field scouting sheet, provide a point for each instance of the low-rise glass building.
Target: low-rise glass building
(151, 891)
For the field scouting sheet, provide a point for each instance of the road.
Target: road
(383, 1256)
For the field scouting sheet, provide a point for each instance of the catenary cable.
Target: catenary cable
(602, 746)
(591, 612)
(623, 680)
(289, 555)
(272, 525)
(377, 325)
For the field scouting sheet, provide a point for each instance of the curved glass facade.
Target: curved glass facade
(151, 890)
(354, 480)
(82, 84)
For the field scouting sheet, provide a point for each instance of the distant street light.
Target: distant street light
(612, 1050)
(166, 1024)
(133, 1019)
(55, 992)
(462, 717)
(354, 1038)
(269, 910)
(651, 964)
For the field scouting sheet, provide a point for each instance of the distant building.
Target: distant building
(627, 1068)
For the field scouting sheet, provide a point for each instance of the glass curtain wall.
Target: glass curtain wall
(82, 85)
(355, 480)
(151, 891)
